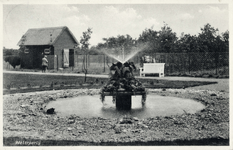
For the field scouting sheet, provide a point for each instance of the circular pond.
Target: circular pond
(91, 106)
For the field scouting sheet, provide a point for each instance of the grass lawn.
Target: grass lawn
(25, 82)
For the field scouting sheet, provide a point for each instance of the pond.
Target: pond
(91, 106)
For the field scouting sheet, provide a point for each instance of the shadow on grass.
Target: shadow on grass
(16, 141)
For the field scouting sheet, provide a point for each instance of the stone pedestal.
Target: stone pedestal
(123, 102)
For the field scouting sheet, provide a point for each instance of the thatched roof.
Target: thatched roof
(44, 36)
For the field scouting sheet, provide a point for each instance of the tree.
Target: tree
(207, 39)
(158, 41)
(149, 37)
(211, 41)
(166, 39)
(187, 43)
(117, 45)
(93, 51)
(84, 47)
(225, 39)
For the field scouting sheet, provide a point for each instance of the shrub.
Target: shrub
(13, 60)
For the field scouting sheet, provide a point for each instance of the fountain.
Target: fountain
(122, 85)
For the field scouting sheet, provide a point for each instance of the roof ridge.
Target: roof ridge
(49, 27)
(43, 36)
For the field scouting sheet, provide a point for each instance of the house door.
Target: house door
(55, 62)
(71, 58)
(66, 58)
(50, 59)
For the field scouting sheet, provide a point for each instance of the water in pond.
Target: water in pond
(91, 106)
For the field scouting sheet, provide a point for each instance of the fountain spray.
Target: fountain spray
(122, 84)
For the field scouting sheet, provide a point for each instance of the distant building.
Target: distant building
(58, 43)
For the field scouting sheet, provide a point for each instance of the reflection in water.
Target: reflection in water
(112, 112)
(91, 106)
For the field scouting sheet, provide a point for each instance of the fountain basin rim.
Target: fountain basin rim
(124, 93)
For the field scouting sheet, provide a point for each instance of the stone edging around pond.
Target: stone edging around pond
(24, 116)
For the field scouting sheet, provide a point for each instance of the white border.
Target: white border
(230, 2)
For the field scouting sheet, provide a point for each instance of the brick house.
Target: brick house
(58, 43)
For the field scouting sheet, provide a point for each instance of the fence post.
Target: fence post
(216, 62)
(57, 63)
(104, 63)
(189, 61)
(88, 60)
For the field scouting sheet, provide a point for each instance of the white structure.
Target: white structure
(152, 68)
(66, 58)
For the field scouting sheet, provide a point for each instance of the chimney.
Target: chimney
(51, 37)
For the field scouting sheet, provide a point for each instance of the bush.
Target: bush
(13, 60)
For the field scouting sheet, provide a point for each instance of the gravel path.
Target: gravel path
(25, 117)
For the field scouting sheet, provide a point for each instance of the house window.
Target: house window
(26, 50)
(47, 51)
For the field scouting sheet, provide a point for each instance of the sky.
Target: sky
(111, 20)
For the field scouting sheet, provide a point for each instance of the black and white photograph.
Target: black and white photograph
(127, 74)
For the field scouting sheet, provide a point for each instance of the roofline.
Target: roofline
(72, 35)
(39, 45)
(48, 27)
(65, 27)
